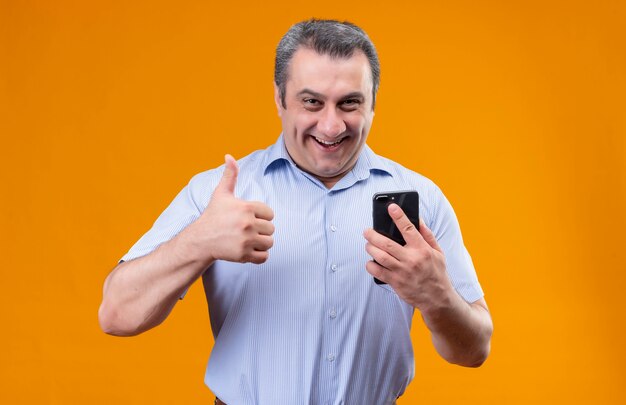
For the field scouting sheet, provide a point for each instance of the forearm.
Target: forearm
(461, 332)
(138, 295)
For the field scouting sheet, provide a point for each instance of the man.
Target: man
(283, 244)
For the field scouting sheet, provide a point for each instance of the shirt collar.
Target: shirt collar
(368, 160)
(277, 154)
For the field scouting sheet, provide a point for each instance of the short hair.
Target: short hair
(326, 37)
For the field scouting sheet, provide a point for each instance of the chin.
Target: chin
(328, 174)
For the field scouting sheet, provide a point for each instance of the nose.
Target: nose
(330, 123)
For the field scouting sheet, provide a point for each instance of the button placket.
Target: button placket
(331, 347)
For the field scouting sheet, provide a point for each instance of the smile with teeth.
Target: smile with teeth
(328, 143)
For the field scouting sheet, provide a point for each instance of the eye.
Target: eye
(351, 104)
(311, 103)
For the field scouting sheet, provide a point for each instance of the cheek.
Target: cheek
(357, 124)
(304, 123)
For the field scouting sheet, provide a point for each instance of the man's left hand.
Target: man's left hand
(461, 332)
(416, 271)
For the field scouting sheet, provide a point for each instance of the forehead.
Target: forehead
(328, 75)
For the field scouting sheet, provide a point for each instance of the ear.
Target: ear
(279, 104)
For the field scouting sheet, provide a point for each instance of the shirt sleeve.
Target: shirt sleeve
(445, 226)
(182, 211)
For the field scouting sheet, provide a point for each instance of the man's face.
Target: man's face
(328, 112)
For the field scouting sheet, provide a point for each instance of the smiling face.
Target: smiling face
(328, 112)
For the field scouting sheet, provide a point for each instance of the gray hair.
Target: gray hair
(326, 37)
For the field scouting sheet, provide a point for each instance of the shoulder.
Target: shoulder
(201, 185)
(247, 164)
(408, 178)
(433, 202)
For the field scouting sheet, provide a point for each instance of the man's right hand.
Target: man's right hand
(230, 228)
(139, 294)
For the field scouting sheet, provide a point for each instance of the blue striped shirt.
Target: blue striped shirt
(309, 326)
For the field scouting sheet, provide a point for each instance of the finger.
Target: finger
(384, 243)
(229, 177)
(381, 257)
(404, 224)
(429, 237)
(262, 243)
(378, 271)
(257, 257)
(264, 227)
(262, 211)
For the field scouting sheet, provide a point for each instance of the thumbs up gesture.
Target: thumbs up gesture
(230, 228)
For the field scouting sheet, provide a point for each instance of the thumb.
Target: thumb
(429, 237)
(229, 177)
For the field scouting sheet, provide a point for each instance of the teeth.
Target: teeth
(327, 143)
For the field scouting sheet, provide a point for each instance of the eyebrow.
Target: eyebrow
(310, 92)
(354, 94)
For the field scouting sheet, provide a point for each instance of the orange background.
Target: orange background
(516, 109)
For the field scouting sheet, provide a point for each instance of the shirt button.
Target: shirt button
(333, 267)
(332, 314)
(333, 228)
(330, 357)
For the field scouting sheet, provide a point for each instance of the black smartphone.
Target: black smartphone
(383, 224)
